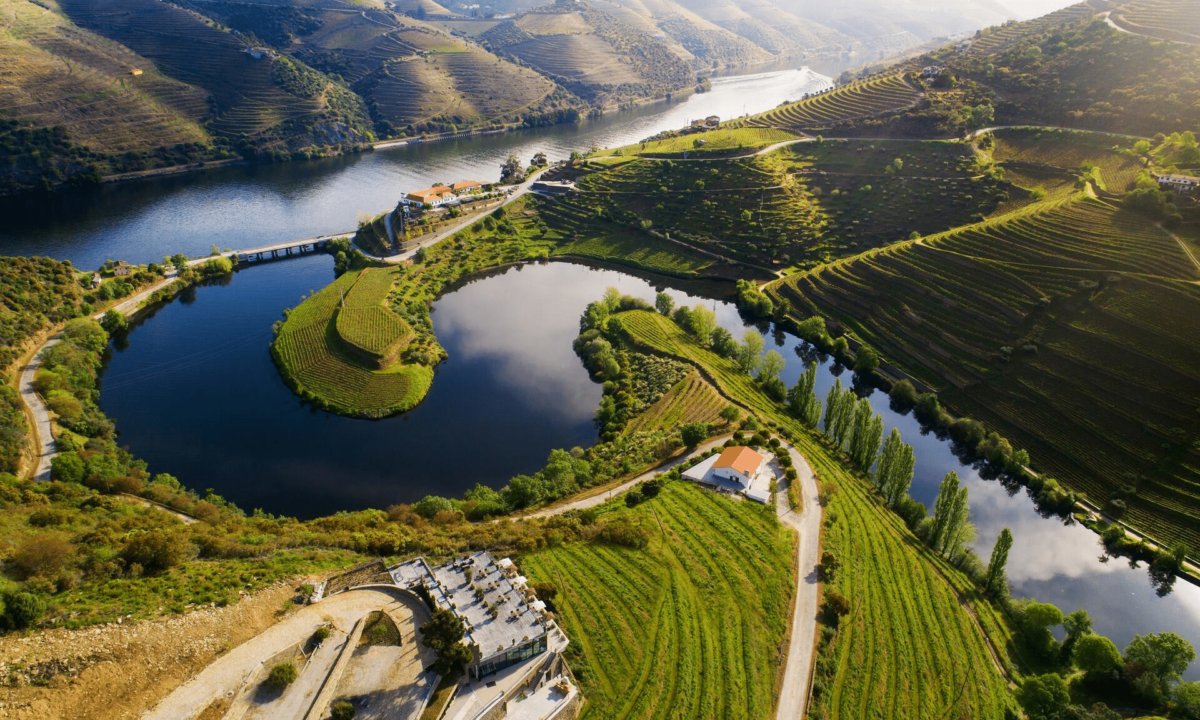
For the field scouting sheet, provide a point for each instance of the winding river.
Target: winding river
(511, 390)
(194, 391)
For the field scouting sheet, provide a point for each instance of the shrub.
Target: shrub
(322, 633)
(23, 609)
(67, 467)
(282, 675)
(1043, 697)
(42, 556)
(904, 394)
(341, 710)
(155, 550)
(694, 433)
(626, 533)
(1096, 655)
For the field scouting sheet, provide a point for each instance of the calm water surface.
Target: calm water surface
(253, 205)
(195, 393)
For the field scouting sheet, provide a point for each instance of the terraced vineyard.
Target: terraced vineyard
(367, 325)
(690, 400)
(190, 49)
(689, 627)
(44, 60)
(582, 58)
(886, 660)
(1177, 20)
(315, 361)
(865, 98)
(1070, 150)
(726, 141)
(1026, 323)
(1003, 36)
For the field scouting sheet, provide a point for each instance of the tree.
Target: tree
(723, 343)
(179, 261)
(866, 435)
(896, 464)
(1187, 699)
(1096, 655)
(67, 467)
(1043, 697)
(772, 365)
(664, 303)
(866, 361)
(950, 512)
(731, 414)
(539, 159)
(444, 634)
(749, 355)
(85, 333)
(1164, 656)
(702, 322)
(839, 412)
(1036, 620)
(994, 580)
(802, 398)
(693, 434)
(1077, 624)
(512, 171)
(114, 322)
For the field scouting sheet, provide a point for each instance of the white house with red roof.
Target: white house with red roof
(738, 470)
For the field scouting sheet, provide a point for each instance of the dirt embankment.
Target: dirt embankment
(115, 671)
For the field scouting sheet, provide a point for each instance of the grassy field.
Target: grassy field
(916, 642)
(866, 98)
(726, 141)
(366, 324)
(690, 400)
(1069, 150)
(689, 627)
(311, 350)
(1063, 326)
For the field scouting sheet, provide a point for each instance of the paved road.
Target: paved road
(226, 675)
(44, 439)
(801, 651)
(793, 697)
(985, 130)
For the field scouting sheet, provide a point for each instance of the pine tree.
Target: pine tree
(995, 570)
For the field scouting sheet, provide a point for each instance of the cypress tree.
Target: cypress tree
(995, 570)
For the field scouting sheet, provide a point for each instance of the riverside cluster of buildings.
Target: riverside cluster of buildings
(440, 195)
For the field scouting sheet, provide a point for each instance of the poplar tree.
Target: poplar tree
(995, 571)
(839, 413)
(831, 406)
(802, 398)
(866, 436)
(896, 464)
(949, 514)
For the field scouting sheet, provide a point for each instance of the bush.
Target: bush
(282, 675)
(322, 633)
(156, 550)
(341, 710)
(23, 609)
(625, 533)
(42, 556)
(1043, 697)
(904, 394)
(694, 433)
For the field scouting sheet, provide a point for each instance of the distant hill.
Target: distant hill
(592, 53)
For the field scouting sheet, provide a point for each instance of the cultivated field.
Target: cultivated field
(864, 98)
(1177, 20)
(690, 400)
(917, 666)
(727, 141)
(320, 354)
(689, 627)
(1027, 323)
(1001, 37)
(1068, 150)
(53, 74)
(193, 50)
(583, 58)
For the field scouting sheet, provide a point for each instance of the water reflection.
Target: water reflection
(511, 391)
(246, 206)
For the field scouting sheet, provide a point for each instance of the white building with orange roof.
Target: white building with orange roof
(738, 470)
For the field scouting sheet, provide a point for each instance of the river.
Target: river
(250, 205)
(195, 393)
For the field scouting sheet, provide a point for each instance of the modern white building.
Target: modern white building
(1181, 184)
(739, 470)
